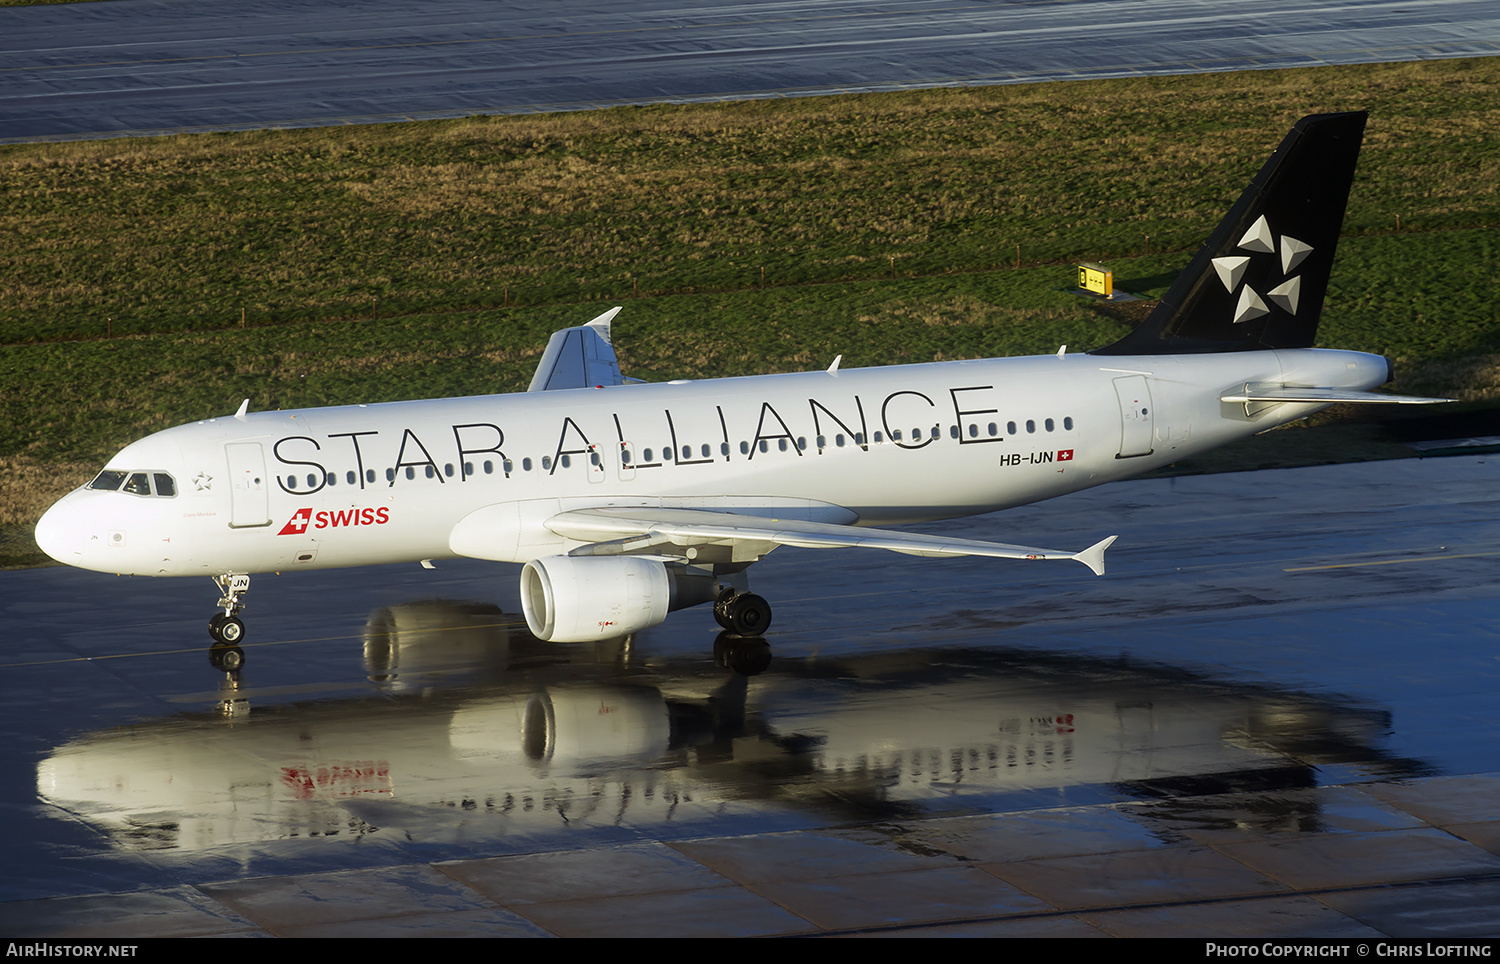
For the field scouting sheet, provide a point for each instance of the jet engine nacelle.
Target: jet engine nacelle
(579, 599)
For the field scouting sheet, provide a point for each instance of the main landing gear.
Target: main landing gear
(226, 629)
(742, 613)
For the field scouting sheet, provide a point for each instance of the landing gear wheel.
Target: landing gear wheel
(225, 626)
(749, 615)
(231, 630)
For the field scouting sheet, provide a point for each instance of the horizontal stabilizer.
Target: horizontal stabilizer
(579, 357)
(1327, 396)
(698, 527)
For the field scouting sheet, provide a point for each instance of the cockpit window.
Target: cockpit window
(136, 483)
(109, 480)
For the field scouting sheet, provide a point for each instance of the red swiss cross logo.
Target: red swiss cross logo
(297, 524)
(1065, 455)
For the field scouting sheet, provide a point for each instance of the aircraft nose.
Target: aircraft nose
(58, 534)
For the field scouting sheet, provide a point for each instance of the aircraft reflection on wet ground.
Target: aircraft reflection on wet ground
(478, 735)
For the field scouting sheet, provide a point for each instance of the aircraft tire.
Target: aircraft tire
(214, 623)
(749, 615)
(231, 631)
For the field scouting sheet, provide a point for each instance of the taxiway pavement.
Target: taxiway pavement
(138, 67)
(1278, 714)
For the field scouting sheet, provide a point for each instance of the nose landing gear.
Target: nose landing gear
(226, 628)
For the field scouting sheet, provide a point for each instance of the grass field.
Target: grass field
(372, 263)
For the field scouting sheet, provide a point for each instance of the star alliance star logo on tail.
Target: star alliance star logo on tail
(1232, 271)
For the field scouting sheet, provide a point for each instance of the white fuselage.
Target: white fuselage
(359, 485)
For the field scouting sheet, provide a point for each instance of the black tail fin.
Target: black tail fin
(1260, 279)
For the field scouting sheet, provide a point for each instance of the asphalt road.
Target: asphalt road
(152, 66)
(1281, 630)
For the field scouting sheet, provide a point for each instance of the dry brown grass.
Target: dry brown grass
(1475, 379)
(176, 232)
(28, 487)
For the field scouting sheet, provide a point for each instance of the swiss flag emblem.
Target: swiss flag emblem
(1065, 455)
(297, 524)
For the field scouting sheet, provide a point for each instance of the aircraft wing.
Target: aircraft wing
(636, 529)
(1326, 395)
(579, 357)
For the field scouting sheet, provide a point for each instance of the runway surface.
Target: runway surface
(1278, 713)
(155, 66)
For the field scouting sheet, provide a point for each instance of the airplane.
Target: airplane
(626, 501)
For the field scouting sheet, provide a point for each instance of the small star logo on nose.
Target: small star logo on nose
(1260, 240)
(203, 481)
